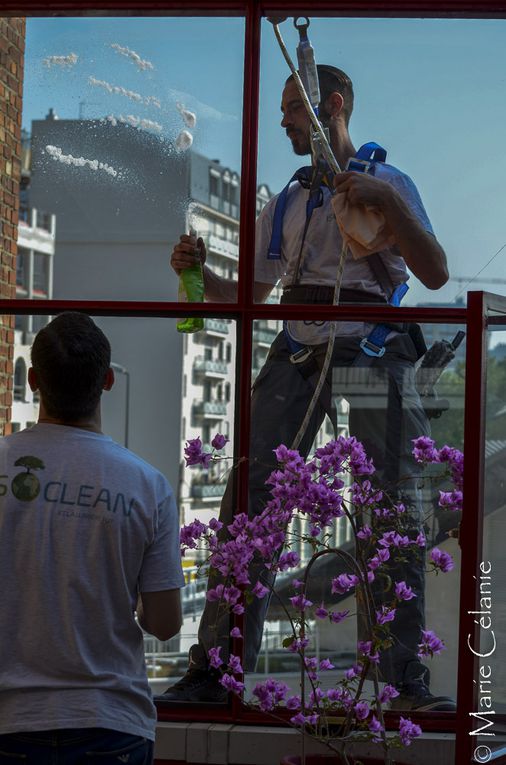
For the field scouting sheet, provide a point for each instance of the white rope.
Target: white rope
(328, 355)
(329, 156)
(326, 148)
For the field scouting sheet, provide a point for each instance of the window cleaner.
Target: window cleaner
(191, 290)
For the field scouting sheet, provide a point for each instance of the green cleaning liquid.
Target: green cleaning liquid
(191, 290)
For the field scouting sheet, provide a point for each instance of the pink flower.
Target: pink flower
(376, 728)
(214, 657)
(298, 645)
(365, 532)
(365, 647)
(441, 560)
(194, 455)
(219, 441)
(403, 592)
(385, 615)
(300, 719)
(271, 693)
(353, 671)
(362, 710)
(338, 616)
(260, 590)
(215, 593)
(430, 644)
(382, 555)
(343, 583)
(215, 524)
(300, 602)
(326, 664)
(293, 702)
(408, 731)
(387, 693)
(450, 500)
(234, 664)
(424, 450)
(231, 684)
(321, 612)
(236, 633)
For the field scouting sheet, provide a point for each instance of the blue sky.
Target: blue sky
(431, 91)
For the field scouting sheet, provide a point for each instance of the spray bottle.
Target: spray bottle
(191, 290)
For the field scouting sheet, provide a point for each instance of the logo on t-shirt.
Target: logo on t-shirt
(26, 486)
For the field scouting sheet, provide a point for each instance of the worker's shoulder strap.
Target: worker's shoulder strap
(303, 176)
(368, 154)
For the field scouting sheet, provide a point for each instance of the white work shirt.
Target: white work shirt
(321, 251)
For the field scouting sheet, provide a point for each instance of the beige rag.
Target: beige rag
(363, 228)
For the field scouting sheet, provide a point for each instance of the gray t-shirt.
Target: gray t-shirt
(84, 526)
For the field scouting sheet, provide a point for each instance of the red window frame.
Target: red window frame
(245, 311)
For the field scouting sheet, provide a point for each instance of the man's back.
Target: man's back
(84, 526)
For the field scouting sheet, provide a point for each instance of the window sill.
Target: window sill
(219, 744)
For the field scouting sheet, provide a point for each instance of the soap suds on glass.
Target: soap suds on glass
(56, 153)
(139, 62)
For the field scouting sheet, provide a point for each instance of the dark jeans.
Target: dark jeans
(385, 414)
(76, 746)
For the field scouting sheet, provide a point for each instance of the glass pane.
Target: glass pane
(491, 576)
(385, 405)
(169, 389)
(131, 136)
(413, 102)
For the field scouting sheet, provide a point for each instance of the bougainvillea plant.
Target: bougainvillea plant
(337, 482)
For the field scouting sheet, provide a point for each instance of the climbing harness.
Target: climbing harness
(372, 346)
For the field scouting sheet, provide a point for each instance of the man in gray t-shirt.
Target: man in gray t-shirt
(89, 537)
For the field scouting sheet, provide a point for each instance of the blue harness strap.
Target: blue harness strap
(303, 176)
(371, 152)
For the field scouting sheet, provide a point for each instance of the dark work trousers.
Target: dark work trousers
(75, 746)
(385, 415)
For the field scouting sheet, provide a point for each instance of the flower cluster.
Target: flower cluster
(425, 452)
(335, 483)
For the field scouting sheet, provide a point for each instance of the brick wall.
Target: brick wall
(12, 45)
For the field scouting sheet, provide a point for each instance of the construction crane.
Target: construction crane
(474, 280)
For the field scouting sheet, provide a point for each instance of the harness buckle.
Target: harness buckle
(371, 349)
(301, 356)
(358, 165)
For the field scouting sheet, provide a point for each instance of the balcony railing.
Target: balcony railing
(217, 325)
(211, 409)
(210, 366)
(203, 491)
(36, 218)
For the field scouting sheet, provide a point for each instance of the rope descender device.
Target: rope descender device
(307, 55)
(307, 65)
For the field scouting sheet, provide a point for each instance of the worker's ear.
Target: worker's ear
(109, 379)
(32, 380)
(334, 104)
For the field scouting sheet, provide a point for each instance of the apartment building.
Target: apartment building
(34, 279)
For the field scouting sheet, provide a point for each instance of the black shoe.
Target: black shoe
(196, 685)
(199, 683)
(422, 701)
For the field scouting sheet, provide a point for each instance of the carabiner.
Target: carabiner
(301, 28)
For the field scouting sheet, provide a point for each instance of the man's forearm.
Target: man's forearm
(217, 289)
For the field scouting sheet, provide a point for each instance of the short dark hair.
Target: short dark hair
(70, 358)
(332, 79)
